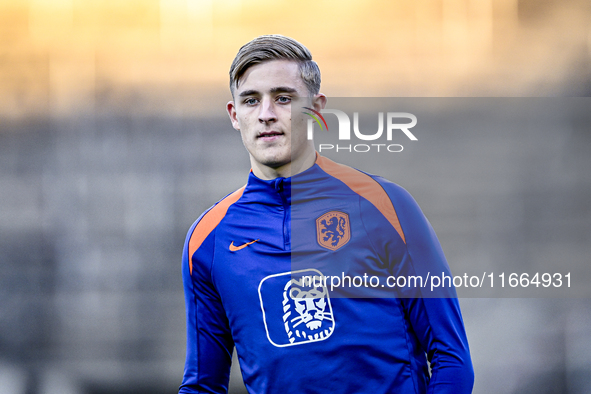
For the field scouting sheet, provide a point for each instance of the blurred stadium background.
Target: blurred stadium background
(114, 138)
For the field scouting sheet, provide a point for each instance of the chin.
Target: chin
(275, 161)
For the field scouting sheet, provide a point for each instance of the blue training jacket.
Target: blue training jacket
(259, 273)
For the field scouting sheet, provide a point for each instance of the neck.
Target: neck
(292, 168)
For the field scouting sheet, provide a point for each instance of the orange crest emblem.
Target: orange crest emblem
(333, 230)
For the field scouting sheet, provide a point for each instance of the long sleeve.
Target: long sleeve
(209, 342)
(435, 317)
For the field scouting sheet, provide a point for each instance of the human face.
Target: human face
(261, 112)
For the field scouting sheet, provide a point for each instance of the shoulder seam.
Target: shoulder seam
(365, 186)
(209, 222)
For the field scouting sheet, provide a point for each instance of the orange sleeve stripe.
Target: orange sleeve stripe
(366, 187)
(210, 221)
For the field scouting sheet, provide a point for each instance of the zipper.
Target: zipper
(280, 188)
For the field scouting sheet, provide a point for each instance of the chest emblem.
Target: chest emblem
(333, 230)
(296, 308)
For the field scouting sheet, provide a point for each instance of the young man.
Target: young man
(301, 215)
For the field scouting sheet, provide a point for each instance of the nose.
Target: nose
(267, 112)
(310, 307)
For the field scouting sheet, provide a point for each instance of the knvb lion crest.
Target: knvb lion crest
(333, 230)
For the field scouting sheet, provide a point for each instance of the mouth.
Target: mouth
(314, 325)
(269, 135)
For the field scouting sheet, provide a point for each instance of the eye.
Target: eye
(251, 101)
(284, 99)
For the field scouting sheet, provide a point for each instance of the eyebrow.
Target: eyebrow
(279, 89)
(248, 93)
(284, 89)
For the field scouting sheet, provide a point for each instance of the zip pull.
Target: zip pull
(279, 184)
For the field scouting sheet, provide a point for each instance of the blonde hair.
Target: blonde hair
(275, 47)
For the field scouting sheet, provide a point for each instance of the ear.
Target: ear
(319, 102)
(231, 108)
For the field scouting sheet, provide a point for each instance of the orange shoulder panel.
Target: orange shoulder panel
(209, 221)
(366, 187)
